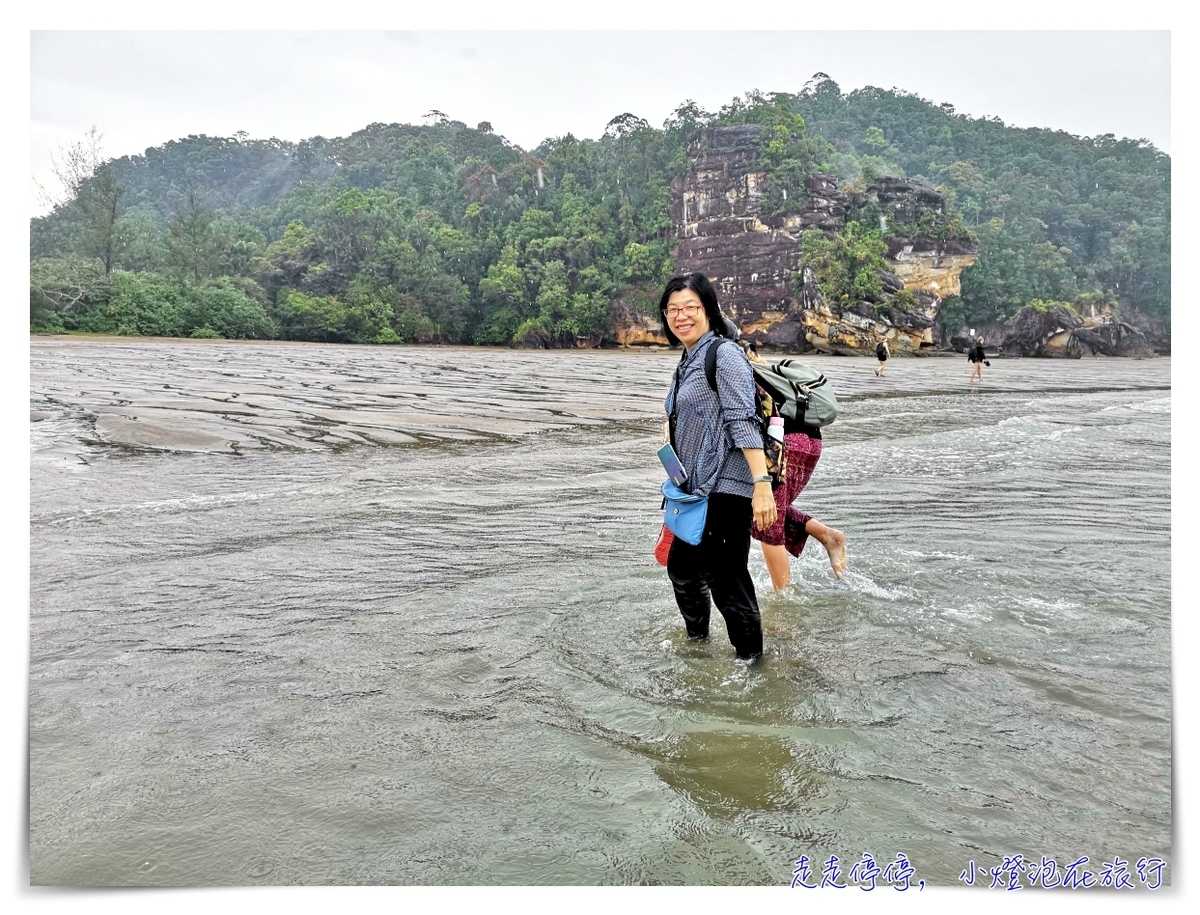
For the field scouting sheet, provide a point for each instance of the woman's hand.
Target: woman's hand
(763, 500)
(763, 503)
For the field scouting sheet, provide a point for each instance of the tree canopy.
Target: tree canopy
(445, 232)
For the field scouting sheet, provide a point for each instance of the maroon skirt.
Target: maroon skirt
(788, 529)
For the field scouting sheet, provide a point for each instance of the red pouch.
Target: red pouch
(662, 549)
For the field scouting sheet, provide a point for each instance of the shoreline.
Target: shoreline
(480, 347)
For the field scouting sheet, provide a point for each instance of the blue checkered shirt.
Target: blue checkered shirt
(703, 436)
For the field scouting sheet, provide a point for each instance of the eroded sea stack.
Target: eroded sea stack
(753, 257)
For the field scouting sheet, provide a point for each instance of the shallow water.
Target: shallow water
(328, 644)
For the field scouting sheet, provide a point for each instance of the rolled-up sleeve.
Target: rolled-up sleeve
(735, 387)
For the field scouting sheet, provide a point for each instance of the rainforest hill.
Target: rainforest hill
(445, 232)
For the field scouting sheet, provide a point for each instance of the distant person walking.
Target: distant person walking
(977, 359)
(881, 353)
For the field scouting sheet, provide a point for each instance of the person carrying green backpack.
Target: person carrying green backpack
(801, 431)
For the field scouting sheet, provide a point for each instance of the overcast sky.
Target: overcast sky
(143, 88)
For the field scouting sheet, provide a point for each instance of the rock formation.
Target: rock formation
(1049, 332)
(1113, 338)
(753, 257)
(1060, 332)
(634, 328)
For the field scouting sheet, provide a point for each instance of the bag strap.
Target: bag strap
(675, 401)
(710, 365)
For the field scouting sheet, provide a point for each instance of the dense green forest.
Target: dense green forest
(444, 232)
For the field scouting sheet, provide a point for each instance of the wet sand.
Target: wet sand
(260, 396)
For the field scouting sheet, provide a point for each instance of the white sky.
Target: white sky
(143, 88)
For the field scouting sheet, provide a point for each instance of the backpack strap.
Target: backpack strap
(710, 363)
(710, 372)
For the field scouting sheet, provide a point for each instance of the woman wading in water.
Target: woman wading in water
(720, 447)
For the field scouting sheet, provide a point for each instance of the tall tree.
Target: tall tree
(91, 192)
(192, 246)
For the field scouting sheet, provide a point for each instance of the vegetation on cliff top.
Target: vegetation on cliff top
(445, 232)
(847, 264)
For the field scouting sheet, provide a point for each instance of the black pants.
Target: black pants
(717, 567)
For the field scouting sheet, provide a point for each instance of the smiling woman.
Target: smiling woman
(716, 438)
(686, 317)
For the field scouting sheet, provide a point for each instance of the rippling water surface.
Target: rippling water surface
(442, 653)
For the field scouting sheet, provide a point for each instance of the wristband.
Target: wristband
(765, 478)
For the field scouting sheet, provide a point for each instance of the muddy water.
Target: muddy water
(353, 615)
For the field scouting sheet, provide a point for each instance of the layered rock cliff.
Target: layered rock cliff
(753, 256)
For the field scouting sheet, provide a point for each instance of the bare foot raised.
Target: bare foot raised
(835, 545)
(834, 542)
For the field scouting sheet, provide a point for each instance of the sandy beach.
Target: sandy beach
(259, 396)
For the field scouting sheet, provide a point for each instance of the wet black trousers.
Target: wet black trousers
(716, 568)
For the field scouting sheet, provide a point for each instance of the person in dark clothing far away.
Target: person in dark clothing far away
(881, 353)
(977, 359)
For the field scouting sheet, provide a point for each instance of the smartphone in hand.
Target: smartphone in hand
(670, 462)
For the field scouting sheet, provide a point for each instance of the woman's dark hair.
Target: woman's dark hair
(699, 284)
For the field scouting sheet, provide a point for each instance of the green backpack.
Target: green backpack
(765, 408)
(799, 392)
